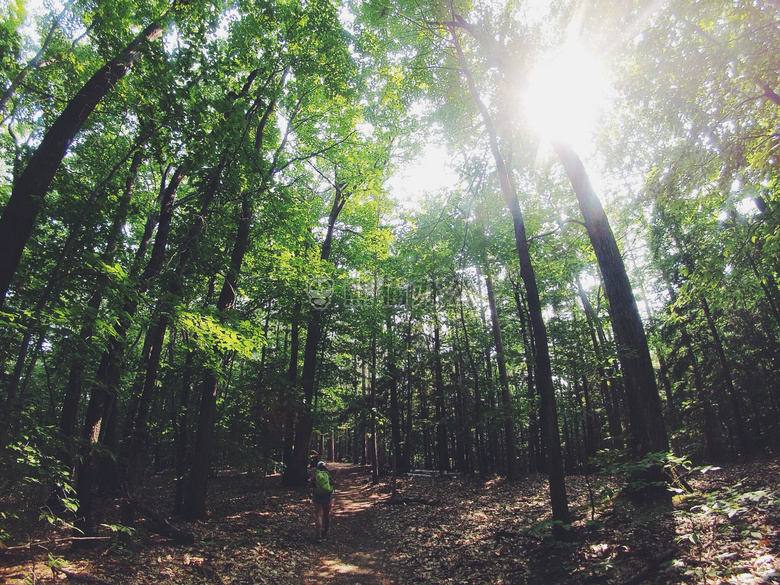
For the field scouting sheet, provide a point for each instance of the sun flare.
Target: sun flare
(564, 95)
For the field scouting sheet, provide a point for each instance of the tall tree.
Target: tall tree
(21, 211)
(296, 473)
(648, 432)
(558, 497)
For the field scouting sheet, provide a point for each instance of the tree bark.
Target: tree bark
(395, 413)
(558, 498)
(510, 437)
(295, 474)
(648, 432)
(195, 501)
(292, 381)
(108, 373)
(442, 455)
(728, 380)
(479, 439)
(70, 405)
(536, 460)
(597, 338)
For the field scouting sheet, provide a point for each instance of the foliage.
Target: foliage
(29, 470)
(270, 108)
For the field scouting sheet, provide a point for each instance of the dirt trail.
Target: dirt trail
(356, 549)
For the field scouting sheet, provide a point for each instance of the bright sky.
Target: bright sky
(563, 98)
(565, 93)
(430, 172)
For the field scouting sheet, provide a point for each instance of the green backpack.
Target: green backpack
(322, 485)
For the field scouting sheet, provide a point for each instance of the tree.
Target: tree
(648, 433)
(558, 498)
(21, 211)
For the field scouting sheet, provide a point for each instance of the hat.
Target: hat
(321, 465)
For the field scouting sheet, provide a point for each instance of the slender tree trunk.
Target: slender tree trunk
(373, 396)
(671, 414)
(362, 426)
(711, 450)
(70, 405)
(477, 399)
(558, 498)
(596, 337)
(462, 446)
(442, 453)
(728, 379)
(535, 451)
(648, 432)
(195, 501)
(107, 377)
(409, 422)
(154, 343)
(295, 475)
(181, 434)
(292, 381)
(395, 413)
(510, 437)
(21, 211)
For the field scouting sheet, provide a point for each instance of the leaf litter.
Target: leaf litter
(436, 529)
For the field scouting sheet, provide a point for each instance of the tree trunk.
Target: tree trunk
(481, 454)
(395, 412)
(108, 373)
(295, 474)
(292, 381)
(155, 340)
(409, 422)
(510, 438)
(195, 501)
(21, 211)
(536, 461)
(558, 498)
(70, 405)
(596, 338)
(442, 454)
(728, 379)
(648, 433)
(181, 434)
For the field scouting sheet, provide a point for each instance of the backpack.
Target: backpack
(322, 485)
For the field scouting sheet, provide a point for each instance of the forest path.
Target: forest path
(356, 548)
(443, 530)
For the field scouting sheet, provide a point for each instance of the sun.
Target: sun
(564, 95)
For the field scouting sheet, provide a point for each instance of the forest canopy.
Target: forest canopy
(215, 251)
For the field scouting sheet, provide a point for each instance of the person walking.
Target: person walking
(322, 489)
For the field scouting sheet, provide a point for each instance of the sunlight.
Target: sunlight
(564, 95)
(428, 173)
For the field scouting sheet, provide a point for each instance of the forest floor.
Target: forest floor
(434, 530)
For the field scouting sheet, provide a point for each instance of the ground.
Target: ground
(435, 529)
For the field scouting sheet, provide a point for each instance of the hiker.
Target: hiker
(322, 489)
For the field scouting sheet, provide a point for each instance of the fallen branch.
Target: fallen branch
(404, 501)
(80, 578)
(161, 524)
(43, 543)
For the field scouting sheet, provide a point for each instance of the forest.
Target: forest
(519, 241)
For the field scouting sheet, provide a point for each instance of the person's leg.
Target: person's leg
(326, 518)
(318, 518)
